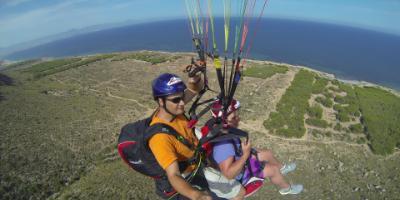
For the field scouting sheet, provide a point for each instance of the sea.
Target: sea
(347, 52)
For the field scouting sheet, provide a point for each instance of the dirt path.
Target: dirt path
(275, 87)
(250, 127)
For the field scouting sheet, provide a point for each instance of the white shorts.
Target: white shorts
(220, 185)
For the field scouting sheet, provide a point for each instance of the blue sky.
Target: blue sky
(26, 20)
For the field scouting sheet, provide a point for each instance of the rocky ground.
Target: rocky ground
(102, 96)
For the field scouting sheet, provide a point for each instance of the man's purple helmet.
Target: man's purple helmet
(167, 84)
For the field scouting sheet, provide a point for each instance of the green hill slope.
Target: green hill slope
(60, 120)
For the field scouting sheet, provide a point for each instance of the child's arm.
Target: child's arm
(231, 168)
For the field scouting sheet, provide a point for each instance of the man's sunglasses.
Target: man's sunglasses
(176, 100)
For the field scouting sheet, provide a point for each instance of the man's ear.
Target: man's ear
(160, 102)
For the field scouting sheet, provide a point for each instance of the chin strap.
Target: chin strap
(166, 109)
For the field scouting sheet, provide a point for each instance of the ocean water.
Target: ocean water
(349, 53)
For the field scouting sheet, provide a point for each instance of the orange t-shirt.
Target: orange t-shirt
(167, 149)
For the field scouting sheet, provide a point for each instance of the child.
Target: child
(237, 160)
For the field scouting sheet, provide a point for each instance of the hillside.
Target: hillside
(60, 120)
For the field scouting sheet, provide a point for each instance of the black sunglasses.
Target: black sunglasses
(175, 100)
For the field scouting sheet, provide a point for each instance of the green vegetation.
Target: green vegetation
(49, 142)
(54, 132)
(356, 128)
(342, 117)
(335, 82)
(315, 112)
(327, 94)
(381, 118)
(318, 134)
(151, 57)
(338, 127)
(347, 106)
(340, 99)
(334, 89)
(349, 110)
(324, 101)
(319, 84)
(264, 71)
(288, 120)
(361, 140)
(117, 179)
(21, 63)
(52, 67)
(317, 122)
(58, 134)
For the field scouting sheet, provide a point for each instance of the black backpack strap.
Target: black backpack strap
(163, 187)
(232, 133)
(163, 128)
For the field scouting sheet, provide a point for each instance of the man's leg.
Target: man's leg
(241, 194)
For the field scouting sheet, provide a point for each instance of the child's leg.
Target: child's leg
(267, 155)
(273, 172)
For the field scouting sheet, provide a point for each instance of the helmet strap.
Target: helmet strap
(166, 109)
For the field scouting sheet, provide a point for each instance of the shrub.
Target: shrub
(289, 118)
(342, 117)
(335, 82)
(328, 94)
(381, 118)
(315, 112)
(151, 57)
(317, 122)
(319, 85)
(338, 127)
(21, 63)
(361, 140)
(324, 101)
(329, 134)
(356, 128)
(264, 71)
(334, 89)
(39, 68)
(339, 99)
(52, 67)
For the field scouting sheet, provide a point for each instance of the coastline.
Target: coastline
(332, 76)
(327, 75)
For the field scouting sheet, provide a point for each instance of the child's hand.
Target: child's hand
(246, 148)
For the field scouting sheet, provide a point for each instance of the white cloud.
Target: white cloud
(19, 27)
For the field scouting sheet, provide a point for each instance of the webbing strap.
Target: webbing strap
(163, 128)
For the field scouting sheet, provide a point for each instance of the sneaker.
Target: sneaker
(252, 186)
(293, 189)
(288, 168)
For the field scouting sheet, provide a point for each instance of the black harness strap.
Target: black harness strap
(163, 128)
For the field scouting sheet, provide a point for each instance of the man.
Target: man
(171, 95)
(236, 159)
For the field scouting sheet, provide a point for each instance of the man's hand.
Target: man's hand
(195, 79)
(181, 186)
(203, 195)
(246, 148)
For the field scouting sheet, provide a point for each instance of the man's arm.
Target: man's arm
(183, 187)
(195, 85)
